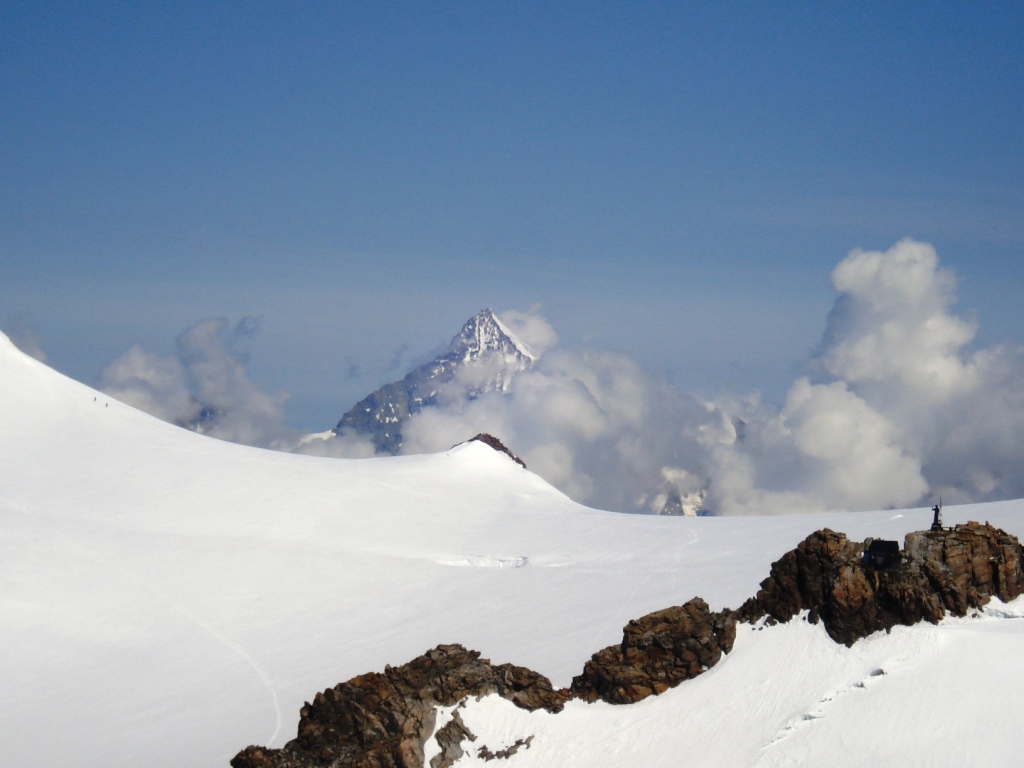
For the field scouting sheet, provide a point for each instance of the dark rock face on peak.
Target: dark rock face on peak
(483, 356)
(947, 570)
(382, 720)
(657, 652)
(497, 445)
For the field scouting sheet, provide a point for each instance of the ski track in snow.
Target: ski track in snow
(181, 610)
(820, 710)
(329, 568)
(486, 561)
(207, 627)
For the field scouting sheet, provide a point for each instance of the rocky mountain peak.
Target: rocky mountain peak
(483, 357)
(483, 334)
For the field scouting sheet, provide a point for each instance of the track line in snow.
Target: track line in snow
(190, 616)
(819, 711)
(242, 654)
(203, 624)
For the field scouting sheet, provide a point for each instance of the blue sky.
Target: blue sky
(672, 181)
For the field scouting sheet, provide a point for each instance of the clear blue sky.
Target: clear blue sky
(671, 180)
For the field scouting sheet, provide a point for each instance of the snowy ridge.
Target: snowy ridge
(167, 599)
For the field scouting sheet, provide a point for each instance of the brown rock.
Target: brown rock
(947, 570)
(382, 720)
(450, 738)
(658, 651)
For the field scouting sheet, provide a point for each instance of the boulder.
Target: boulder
(657, 652)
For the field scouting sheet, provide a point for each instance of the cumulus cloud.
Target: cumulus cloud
(204, 386)
(903, 412)
(151, 383)
(896, 409)
(594, 424)
(531, 328)
(346, 445)
(892, 325)
(826, 449)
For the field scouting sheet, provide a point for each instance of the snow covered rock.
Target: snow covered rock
(951, 570)
(483, 357)
(382, 720)
(497, 445)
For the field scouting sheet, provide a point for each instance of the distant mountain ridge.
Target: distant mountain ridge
(484, 343)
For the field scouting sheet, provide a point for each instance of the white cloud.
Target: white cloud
(530, 328)
(347, 445)
(24, 338)
(827, 449)
(898, 409)
(892, 324)
(204, 386)
(595, 424)
(904, 413)
(151, 383)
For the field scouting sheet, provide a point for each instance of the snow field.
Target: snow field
(167, 599)
(789, 696)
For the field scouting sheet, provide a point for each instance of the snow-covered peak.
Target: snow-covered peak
(485, 333)
(483, 357)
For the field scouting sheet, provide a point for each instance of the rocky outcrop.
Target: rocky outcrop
(657, 652)
(449, 738)
(486, 755)
(953, 570)
(382, 720)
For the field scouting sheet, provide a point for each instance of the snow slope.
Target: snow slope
(167, 599)
(789, 696)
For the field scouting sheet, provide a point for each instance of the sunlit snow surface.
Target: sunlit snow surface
(167, 599)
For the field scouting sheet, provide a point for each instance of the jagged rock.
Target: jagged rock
(504, 754)
(969, 565)
(947, 570)
(450, 737)
(382, 720)
(658, 651)
(497, 445)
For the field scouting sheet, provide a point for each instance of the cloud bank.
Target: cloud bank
(594, 424)
(204, 386)
(899, 410)
(894, 410)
